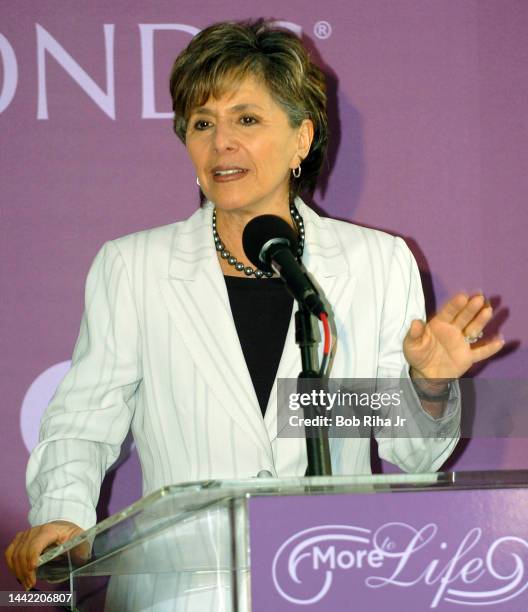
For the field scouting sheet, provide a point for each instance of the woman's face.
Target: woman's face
(243, 149)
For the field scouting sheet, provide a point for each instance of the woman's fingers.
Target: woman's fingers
(25, 549)
(34, 547)
(487, 350)
(479, 321)
(19, 564)
(22, 555)
(41, 537)
(416, 329)
(469, 313)
(451, 309)
(51, 533)
(466, 315)
(10, 551)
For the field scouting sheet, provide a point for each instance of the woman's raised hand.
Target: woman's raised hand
(449, 343)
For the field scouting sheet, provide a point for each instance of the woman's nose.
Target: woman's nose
(224, 138)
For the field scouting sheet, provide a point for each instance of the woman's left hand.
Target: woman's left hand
(440, 347)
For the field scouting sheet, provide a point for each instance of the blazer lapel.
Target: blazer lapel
(196, 297)
(325, 259)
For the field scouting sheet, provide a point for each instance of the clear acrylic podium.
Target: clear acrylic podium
(195, 537)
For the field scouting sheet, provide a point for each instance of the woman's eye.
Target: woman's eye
(201, 124)
(248, 120)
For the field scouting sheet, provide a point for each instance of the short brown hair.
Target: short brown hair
(227, 51)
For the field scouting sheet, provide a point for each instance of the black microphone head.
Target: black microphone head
(261, 233)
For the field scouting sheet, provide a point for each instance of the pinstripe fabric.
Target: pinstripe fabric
(158, 351)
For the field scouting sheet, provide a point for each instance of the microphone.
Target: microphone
(270, 244)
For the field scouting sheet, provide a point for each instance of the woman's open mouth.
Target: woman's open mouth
(223, 175)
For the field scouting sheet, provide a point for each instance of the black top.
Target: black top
(261, 309)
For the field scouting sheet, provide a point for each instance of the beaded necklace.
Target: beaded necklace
(248, 270)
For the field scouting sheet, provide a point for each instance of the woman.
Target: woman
(183, 341)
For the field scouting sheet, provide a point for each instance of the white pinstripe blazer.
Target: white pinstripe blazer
(158, 351)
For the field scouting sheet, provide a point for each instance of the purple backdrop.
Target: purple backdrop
(429, 130)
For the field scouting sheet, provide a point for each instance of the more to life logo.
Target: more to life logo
(470, 570)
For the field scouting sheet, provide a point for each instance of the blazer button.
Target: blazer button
(264, 474)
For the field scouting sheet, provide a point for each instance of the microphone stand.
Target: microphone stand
(317, 447)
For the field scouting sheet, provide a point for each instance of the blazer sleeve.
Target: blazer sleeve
(426, 442)
(89, 416)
